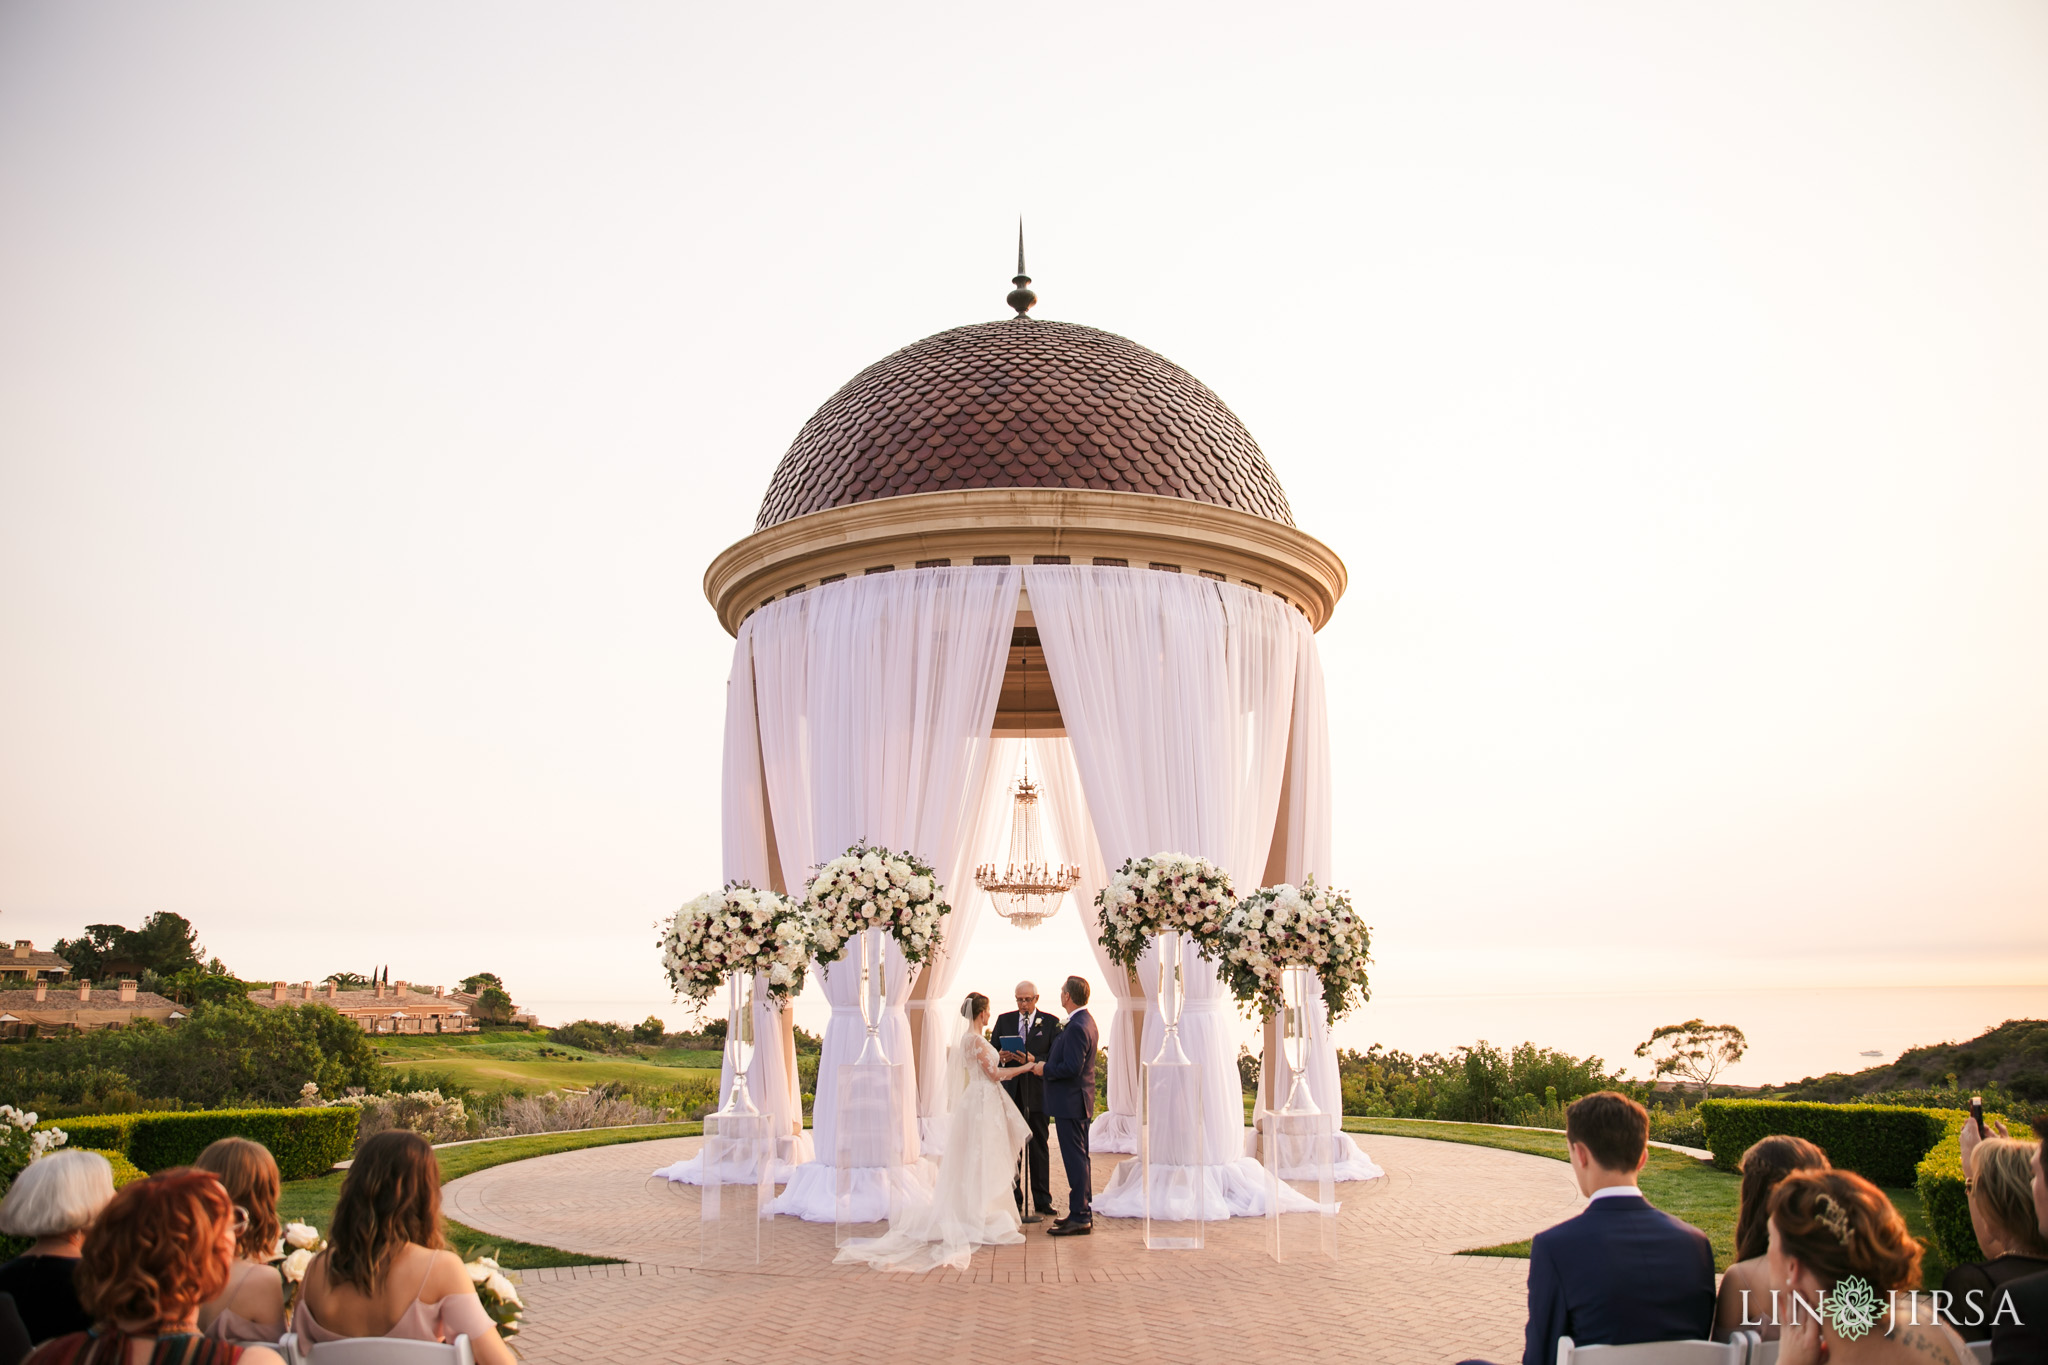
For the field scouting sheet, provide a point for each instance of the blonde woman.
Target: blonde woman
(251, 1307)
(2008, 1231)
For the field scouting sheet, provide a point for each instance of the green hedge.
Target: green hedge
(1944, 1199)
(306, 1142)
(1881, 1143)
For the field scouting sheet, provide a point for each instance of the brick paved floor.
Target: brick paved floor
(1395, 1292)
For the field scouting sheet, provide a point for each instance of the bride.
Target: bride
(972, 1204)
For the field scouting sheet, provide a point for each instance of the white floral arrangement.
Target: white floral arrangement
(499, 1295)
(1277, 927)
(873, 888)
(20, 1143)
(300, 1244)
(1165, 893)
(739, 929)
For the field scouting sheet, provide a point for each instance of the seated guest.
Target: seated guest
(2022, 1339)
(54, 1200)
(1830, 1230)
(159, 1249)
(385, 1272)
(1768, 1161)
(1622, 1271)
(251, 1307)
(2008, 1231)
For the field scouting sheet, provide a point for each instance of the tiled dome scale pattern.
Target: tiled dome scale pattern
(1023, 404)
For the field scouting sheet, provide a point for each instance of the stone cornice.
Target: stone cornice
(1025, 524)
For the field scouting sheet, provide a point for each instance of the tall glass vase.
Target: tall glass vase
(1298, 994)
(1170, 995)
(1297, 1141)
(1172, 1167)
(739, 1041)
(874, 993)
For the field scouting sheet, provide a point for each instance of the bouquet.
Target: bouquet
(738, 929)
(1278, 927)
(1165, 893)
(500, 1297)
(872, 888)
(305, 1242)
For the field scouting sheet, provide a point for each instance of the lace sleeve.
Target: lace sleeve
(985, 1057)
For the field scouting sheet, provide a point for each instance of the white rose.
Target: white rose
(296, 1263)
(301, 1235)
(502, 1287)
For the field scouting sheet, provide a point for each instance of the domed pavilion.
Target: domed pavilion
(1011, 528)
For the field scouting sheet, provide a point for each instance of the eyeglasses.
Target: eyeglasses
(241, 1220)
(1027, 999)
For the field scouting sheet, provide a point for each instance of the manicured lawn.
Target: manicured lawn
(312, 1201)
(504, 1060)
(1676, 1183)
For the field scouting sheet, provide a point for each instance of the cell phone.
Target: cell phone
(1977, 1113)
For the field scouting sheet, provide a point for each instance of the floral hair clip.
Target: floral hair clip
(1834, 1215)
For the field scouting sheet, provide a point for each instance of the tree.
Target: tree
(349, 981)
(649, 1030)
(473, 985)
(1695, 1050)
(166, 944)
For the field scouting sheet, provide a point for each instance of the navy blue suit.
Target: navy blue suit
(1621, 1272)
(1070, 1101)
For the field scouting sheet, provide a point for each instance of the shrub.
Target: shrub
(570, 1111)
(435, 1117)
(649, 1031)
(1881, 1143)
(1945, 1199)
(306, 1142)
(125, 1170)
(592, 1036)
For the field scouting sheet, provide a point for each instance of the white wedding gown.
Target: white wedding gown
(971, 1204)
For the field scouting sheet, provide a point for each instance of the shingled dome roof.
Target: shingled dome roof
(1023, 404)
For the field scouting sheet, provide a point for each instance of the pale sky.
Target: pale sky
(376, 382)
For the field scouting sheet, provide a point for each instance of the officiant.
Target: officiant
(1025, 1034)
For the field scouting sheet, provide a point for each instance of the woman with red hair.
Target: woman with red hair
(162, 1247)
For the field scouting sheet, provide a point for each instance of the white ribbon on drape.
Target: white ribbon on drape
(876, 696)
(939, 1021)
(1176, 692)
(771, 1082)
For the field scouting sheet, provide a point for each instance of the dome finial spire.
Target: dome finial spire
(1021, 298)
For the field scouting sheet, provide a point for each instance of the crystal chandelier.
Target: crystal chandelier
(1028, 889)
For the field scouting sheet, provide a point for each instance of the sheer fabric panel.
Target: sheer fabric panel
(1176, 692)
(876, 696)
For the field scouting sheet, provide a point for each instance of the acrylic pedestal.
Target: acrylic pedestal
(739, 1159)
(1301, 1186)
(1179, 1198)
(868, 1150)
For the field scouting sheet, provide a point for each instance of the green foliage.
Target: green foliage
(472, 984)
(1477, 1084)
(1880, 1143)
(650, 1031)
(2007, 1065)
(125, 1171)
(231, 1052)
(305, 1142)
(493, 1005)
(805, 1041)
(1694, 1050)
(350, 981)
(1248, 1063)
(1945, 1199)
(592, 1036)
(166, 944)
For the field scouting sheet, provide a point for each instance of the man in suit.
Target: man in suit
(1069, 1072)
(1038, 1029)
(1622, 1271)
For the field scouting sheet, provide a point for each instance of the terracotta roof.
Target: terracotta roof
(425, 1002)
(1023, 404)
(37, 959)
(60, 1001)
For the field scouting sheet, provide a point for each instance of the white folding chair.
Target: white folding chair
(1981, 1350)
(377, 1351)
(1654, 1353)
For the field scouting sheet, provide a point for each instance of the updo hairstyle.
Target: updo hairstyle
(1837, 1224)
(973, 1005)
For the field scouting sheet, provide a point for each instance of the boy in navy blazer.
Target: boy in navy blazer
(1622, 1271)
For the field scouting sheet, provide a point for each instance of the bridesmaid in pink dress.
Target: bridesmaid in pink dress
(385, 1272)
(251, 1308)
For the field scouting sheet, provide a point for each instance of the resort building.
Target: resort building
(24, 963)
(45, 1009)
(395, 1008)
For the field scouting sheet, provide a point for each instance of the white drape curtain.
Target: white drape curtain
(1303, 843)
(771, 1081)
(1116, 1128)
(876, 696)
(1176, 692)
(939, 1022)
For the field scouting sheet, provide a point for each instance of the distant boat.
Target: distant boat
(1870, 1054)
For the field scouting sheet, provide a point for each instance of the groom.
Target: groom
(1069, 1074)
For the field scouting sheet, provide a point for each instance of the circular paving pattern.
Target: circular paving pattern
(1395, 1291)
